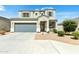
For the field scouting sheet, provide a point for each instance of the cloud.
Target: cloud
(47, 8)
(69, 15)
(36, 9)
(8, 14)
(2, 8)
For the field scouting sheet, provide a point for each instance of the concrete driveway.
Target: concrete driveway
(25, 43)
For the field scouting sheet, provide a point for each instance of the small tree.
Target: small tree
(69, 25)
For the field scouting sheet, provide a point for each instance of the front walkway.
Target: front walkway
(64, 48)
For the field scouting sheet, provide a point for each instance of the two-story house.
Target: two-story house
(34, 21)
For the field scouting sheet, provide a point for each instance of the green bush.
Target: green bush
(61, 33)
(69, 25)
(75, 35)
(55, 30)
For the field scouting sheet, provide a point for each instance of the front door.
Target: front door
(42, 26)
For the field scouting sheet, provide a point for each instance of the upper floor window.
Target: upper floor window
(50, 13)
(25, 14)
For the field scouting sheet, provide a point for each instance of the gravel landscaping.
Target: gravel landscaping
(54, 36)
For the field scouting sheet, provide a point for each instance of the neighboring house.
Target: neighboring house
(4, 24)
(34, 21)
(60, 25)
(77, 20)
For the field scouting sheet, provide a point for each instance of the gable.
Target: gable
(43, 18)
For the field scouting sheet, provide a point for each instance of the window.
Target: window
(25, 14)
(51, 24)
(36, 13)
(50, 13)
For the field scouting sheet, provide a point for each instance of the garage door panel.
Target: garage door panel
(22, 27)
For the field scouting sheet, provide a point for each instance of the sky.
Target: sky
(62, 11)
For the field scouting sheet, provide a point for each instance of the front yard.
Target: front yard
(54, 36)
(19, 42)
(68, 34)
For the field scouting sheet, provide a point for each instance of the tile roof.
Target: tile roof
(23, 19)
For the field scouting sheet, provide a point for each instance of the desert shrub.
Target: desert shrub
(75, 35)
(61, 33)
(69, 25)
(2, 32)
(55, 30)
(4, 29)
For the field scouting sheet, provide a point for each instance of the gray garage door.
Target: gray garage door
(23, 27)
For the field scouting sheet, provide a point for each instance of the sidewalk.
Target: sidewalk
(64, 48)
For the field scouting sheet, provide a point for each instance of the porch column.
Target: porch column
(47, 26)
(56, 25)
(12, 27)
(38, 27)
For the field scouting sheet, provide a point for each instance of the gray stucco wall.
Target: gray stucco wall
(4, 24)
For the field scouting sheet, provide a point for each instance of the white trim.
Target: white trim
(43, 18)
(24, 21)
